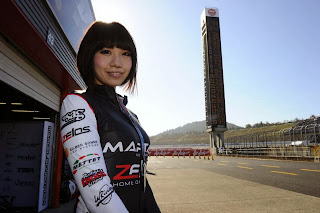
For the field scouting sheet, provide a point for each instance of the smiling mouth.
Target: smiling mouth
(115, 74)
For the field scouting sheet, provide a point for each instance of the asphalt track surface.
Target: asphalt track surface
(234, 185)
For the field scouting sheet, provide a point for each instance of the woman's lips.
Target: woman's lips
(115, 74)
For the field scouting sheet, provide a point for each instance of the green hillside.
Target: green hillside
(192, 128)
(194, 133)
(203, 137)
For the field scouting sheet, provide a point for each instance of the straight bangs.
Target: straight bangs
(115, 36)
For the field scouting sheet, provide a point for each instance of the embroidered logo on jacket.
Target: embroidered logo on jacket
(89, 179)
(132, 147)
(74, 132)
(71, 117)
(128, 175)
(128, 172)
(81, 146)
(105, 195)
(84, 161)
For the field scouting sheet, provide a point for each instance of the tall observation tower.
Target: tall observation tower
(213, 78)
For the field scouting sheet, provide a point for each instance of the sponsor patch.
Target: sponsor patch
(126, 183)
(89, 179)
(120, 147)
(84, 161)
(75, 132)
(127, 172)
(81, 146)
(105, 195)
(71, 117)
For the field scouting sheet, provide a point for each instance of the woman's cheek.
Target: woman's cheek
(99, 63)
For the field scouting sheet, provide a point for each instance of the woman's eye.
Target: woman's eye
(105, 52)
(126, 54)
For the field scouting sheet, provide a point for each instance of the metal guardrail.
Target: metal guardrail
(289, 152)
(296, 142)
(308, 135)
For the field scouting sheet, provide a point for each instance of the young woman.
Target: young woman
(105, 145)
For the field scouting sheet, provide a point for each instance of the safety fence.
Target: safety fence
(311, 153)
(298, 142)
(178, 151)
(305, 135)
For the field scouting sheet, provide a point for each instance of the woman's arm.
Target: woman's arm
(82, 147)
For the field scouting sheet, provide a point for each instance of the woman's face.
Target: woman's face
(111, 66)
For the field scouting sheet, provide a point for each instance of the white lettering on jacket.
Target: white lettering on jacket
(132, 147)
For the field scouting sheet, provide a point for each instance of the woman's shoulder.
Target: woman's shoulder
(74, 99)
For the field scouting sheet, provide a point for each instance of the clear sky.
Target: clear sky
(270, 55)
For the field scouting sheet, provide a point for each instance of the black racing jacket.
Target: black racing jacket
(107, 152)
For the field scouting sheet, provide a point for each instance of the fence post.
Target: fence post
(316, 152)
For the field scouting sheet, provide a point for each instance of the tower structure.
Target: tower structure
(213, 78)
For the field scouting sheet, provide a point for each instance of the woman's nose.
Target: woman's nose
(116, 61)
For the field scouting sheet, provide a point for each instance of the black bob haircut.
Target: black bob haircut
(106, 35)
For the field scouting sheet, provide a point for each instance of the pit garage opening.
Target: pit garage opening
(26, 139)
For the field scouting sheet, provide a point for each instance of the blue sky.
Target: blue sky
(270, 55)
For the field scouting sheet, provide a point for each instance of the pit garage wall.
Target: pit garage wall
(43, 20)
(26, 31)
(16, 72)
